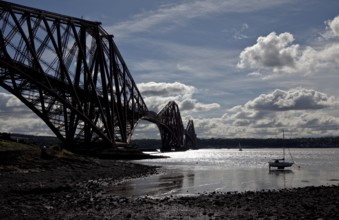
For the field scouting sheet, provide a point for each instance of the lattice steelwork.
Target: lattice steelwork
(171, 127)
(70, 73)
(190, 136)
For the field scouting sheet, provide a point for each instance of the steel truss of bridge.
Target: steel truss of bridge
(70, 73)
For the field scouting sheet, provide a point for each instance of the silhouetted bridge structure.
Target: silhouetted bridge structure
(70, 73)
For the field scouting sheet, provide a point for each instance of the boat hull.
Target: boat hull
(279, 164)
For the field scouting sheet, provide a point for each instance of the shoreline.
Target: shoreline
(76, 187)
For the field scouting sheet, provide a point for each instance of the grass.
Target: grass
(6, 145)
(15, 152)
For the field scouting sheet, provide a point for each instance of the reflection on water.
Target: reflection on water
(227, 170)
(169, 183)
(162, 184)
(282, 175)
(280, 172)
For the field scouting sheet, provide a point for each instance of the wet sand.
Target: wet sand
(76, 187)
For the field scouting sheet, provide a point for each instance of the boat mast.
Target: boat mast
(283, 144)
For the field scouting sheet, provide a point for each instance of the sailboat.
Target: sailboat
(281, 163)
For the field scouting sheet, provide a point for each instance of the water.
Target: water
(229, 170)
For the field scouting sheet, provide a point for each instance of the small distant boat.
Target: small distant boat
(281, 163)
(240, 148)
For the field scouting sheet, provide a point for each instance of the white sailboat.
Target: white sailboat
(280, 163)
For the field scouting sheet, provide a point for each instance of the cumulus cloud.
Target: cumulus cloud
(332, 28)
(165, 89)
(157, 95)
(194, 105)
(277, 53)
(145, 129)
(272, 51)
(297, 109)
(15, 117)
(24, 125)
(9, 103)
(294, 99)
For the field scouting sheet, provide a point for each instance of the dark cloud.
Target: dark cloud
(187, 105)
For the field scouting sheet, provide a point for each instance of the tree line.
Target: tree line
(321, 142)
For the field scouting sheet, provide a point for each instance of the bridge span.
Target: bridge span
(70, 73)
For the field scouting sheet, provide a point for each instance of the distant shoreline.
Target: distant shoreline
(232, 143)
(323, 142)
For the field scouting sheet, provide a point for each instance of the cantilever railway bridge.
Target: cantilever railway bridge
(70, 73)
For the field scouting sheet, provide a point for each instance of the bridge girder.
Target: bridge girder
(70, 73)
(190, 136)
(172, 134)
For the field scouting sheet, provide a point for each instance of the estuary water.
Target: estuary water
(228, 170)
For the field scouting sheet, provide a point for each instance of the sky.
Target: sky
(244, 69)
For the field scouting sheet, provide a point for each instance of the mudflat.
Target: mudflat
(70, 186)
